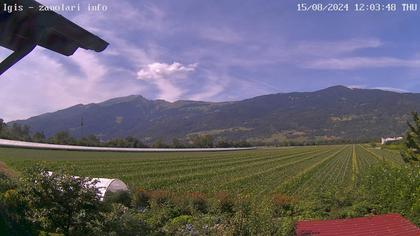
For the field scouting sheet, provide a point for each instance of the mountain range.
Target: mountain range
(333, 113)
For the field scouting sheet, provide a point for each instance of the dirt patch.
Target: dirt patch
(6, 170)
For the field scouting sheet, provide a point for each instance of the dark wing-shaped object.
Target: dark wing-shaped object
(22, 31)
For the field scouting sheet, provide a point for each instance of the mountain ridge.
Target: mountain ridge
(336, 112)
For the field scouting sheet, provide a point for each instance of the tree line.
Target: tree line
(23, 133)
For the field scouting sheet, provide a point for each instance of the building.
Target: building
(391, 139)
(381, 225)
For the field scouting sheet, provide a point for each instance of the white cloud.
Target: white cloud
(222, 35)
(349, 63)
(165, 77)
(392, 89)
(335, 47)
(356, 86)
(213, 86)
(163, 71)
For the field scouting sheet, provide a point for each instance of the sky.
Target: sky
(215, 51)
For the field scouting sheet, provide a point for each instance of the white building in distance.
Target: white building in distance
(390, 139)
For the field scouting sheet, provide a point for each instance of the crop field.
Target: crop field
(294, 171)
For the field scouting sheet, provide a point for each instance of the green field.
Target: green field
(294, 171)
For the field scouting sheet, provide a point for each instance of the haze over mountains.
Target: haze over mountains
(334, 113)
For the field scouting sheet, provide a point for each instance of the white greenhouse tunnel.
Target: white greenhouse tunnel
(105, 186)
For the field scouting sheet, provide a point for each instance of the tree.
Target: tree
(59, 202)
(134, 143)
(202, 141)
(160, 144)
(223, 144)
(176, 143)
(2, 125)
(411, 152)
(90, 140)
(117, 142)
(62, 137)
(18, 132)
(38, 137)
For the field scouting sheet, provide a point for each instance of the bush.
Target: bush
(123, 221)
(160, 197)
(198, 202)
(393, 189)
(141, 199)
(225, 202)
(181, 225)
(12, 210)
(283, 205)
(121, 197)
(58, 202)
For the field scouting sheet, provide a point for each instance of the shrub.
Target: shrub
(123, 221)
(198, 202)
(160, 197)
(241, 223)
(121, 197)
(59, 202)
(12, 210)
(141, 199)
(393, 189)
(225, 202)
(283, 205)
(181, 225)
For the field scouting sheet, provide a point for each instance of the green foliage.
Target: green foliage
(301, 170)
(58, 202)
(160, 144)
(128, 142)
(411, 153)
(121, 220)
(6, 183)
(180, 225)
(39, 137)
(15, 132)
(119, 197)
(63, 138)
(198, 202)
(90, 140)
(2, 126)
(225, 202)
(176, 143)
(12, 209)
(283, 205)
(141, 199)
(202, 141)
(393, 189)
(327, 182)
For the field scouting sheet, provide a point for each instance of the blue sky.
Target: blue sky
(215, 51)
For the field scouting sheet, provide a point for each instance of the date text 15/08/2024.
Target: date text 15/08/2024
(357, 7)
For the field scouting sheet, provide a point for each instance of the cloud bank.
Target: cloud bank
(166, 78)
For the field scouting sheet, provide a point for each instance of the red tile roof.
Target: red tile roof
(382, 225)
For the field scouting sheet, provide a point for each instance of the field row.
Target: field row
(297, 171)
